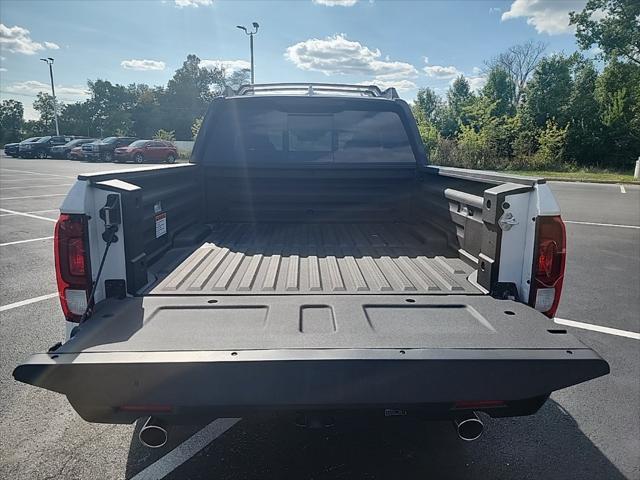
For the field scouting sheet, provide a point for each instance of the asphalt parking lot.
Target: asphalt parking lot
(587, 431)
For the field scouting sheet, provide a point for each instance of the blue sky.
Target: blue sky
(392, 43)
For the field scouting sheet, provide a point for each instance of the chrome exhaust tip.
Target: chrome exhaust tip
(469, 427)
(153, 434)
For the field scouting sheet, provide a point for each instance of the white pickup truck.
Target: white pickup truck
(309, 259)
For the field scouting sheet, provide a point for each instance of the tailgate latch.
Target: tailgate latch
(507, 220)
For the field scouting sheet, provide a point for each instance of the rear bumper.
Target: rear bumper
(118, 387)
(122, 157)
(58, 154)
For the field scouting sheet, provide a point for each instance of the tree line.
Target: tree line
(173, 111)
(540, 111)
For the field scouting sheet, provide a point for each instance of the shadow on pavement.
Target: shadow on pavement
(548, 445)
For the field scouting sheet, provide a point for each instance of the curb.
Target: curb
(580, 180)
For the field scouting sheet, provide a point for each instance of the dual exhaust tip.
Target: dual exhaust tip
(469, 426)
(153, 433)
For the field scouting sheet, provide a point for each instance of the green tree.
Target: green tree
(34, 128)
(548, 91)
(45, 106)
(553, 142)
(235, 79)
(188, 95)
(110, 107)
(428, 104)
(147, 114)
(584, 137)
(501, 91)
(165, 135)
(519, 61)
(459, 96)
(618, 95)
(11, 119)
(612, 25)
(75, 119)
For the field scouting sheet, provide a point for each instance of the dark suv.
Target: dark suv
(13, 149)
(42, 147)
(62, 151)
(102, 150)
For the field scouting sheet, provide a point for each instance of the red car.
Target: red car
(142, 151)
(76, 153)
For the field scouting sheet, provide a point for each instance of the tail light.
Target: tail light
(548, 265)
(73, 272)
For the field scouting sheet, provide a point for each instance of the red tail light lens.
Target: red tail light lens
(72, 264)
(77, 257)
(549, 263)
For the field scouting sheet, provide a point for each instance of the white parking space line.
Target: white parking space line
(187, 449)
(24, 187)
(25, 241)
(35, 196)
(23, 178)
(29, 301)
(19, 213)
(4, 179)
(36, 173)
(597, 328)
(603, 224)
(22, 214)
(622, 189)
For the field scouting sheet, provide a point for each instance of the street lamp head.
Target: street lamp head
(242, 28)
(51, 59)
(256, 26)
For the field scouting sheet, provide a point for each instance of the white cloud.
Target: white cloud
(495, 10)
(2, 69)
(142, 65)
(546, 16)
(338, 55)
(192, 3)
(341, 56)
(334, 3)
(18, 40)
(476, 70)
(476, 82)
(401, 85)
(230, 66)
(32, 87)
(442, 72)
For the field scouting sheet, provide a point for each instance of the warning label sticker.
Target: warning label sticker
(161, 224)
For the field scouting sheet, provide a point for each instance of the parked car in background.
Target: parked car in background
(62, 151)
(42, 147)
(142, 151)
(102, 150)
(13, 149)
(76, 153)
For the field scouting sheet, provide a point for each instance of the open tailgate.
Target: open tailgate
(180, 355)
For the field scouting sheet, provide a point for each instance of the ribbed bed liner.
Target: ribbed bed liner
(280, 258)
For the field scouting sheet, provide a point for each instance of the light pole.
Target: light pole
(49, 61)
(251, 34)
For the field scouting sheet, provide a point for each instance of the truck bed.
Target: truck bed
(320, 258)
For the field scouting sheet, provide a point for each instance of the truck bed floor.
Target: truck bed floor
(280, 258)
